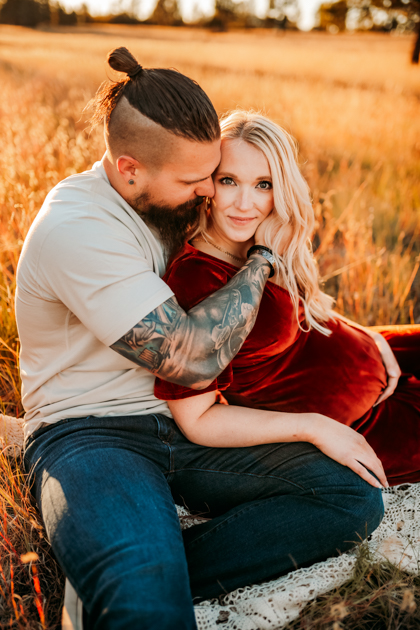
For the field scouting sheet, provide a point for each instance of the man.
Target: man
(97, 323)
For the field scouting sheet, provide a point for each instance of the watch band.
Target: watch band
(267, 254)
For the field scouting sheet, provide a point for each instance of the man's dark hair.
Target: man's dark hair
(164, 95)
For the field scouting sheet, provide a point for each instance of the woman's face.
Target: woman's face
(243, 191)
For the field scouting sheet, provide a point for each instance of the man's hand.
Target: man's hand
(391, 366)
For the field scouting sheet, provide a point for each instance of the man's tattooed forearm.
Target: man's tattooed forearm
(148, 343)
(192, 348)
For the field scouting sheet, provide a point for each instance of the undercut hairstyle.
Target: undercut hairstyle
(164, 96)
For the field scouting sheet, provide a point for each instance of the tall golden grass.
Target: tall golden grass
(351, 101)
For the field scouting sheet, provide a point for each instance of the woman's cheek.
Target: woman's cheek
(217, 201)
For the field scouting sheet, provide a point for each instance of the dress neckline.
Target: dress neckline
(192, 249)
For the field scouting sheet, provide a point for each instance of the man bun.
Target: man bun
(121, 60)
(166, 96)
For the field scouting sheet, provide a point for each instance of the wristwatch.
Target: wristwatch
(267, 254)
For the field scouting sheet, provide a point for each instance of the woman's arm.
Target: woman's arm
(388, 358)
(225, 426)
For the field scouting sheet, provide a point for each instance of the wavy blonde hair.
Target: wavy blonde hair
(292, 206)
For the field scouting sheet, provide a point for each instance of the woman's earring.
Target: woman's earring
(131, 182)
(208, 205)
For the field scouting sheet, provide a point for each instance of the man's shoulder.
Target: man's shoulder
(79, 204)
(76, 210)
(90, 188)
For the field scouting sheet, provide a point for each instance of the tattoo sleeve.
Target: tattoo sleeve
(193, 348)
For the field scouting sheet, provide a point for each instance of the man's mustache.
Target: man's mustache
(194, 203)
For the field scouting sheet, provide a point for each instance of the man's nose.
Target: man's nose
(205, 188)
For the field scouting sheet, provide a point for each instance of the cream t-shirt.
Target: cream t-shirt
(90, 269)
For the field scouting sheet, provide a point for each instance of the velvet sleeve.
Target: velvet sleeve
(192, 279)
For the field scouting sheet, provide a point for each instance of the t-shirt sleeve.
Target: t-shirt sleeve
(100, 272)
(192, 280)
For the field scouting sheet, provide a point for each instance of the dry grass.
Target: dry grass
(353, 104)
(378, 597)
(31, 583)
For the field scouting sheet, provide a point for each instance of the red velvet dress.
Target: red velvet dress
(282, 368)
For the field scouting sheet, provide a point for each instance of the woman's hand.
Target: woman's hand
(347, 447)
(388, 358)
(263, 229)
(391, 366)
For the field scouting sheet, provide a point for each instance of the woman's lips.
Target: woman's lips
(240, 221)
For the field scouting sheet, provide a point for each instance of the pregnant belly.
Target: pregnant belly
(340, 376)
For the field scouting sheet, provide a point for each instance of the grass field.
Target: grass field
(352, 102)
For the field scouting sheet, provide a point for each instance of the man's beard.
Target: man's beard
(174, 224)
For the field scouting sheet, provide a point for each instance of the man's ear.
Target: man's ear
(131, 170)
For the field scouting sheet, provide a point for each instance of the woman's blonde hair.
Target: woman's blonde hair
(292, 206)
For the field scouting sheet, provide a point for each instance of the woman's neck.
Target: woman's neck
(219, 246)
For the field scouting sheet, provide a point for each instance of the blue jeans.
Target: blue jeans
(106, 489)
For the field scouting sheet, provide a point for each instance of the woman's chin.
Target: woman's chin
(239, 236)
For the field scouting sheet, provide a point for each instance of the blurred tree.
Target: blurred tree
(167, 13)
(416, 47)
(241, 14)
(332, 16)
(383, 15)
(25, 12)
(83, 15)
(60, 17)
(225, 13)
(121, 18)
(282, 14)
(388, 15)
(403, 15)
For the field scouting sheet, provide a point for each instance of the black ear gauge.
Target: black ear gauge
(131, 182)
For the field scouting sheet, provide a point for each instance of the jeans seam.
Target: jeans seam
(232, 472)
(169, 474)
(226, 520)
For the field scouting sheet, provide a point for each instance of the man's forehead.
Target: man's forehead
(194, 158)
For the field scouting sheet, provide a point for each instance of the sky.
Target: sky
(307, 7)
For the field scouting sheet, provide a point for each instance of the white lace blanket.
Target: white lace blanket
(272, 605)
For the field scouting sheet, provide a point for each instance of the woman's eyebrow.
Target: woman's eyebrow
(226, 174)
(232, 176)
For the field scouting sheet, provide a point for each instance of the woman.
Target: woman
(301, 360)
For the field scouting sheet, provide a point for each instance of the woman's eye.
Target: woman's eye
(227, 181)
(265, 185)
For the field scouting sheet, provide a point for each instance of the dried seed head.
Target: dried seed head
(339, 611)
(31, 556)
(408, 602)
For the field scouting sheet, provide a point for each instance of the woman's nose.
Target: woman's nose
(244, 200)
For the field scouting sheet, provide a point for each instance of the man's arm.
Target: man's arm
(193, 348)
